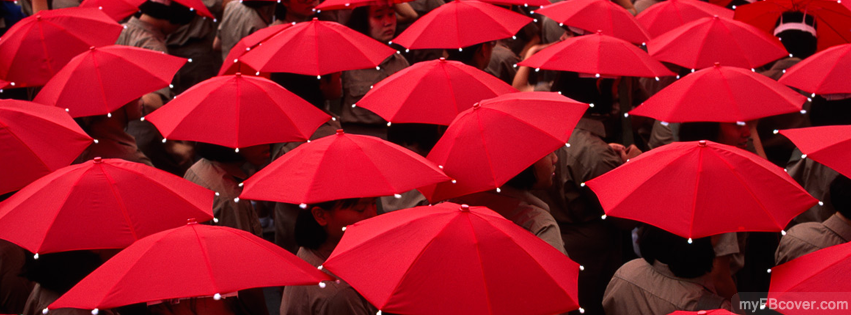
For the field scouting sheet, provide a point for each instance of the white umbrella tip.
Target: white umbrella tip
(821, 203)
(690, 240)
(95, 312)
(217, 296)
(44, 311)
(303, 206)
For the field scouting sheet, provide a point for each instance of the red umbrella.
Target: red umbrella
(833, 19)
(95, 82)
(232, 63)
(459, 24)
(822, 73)
(351, 4)
(195, 260)
(828, 145)
(597, 16)
(702, 43)
(398, 262)
(721, 94)
(34, 141)
(525, 3)
(198, 5)
(431, 92)
(117, 9)
(489, 144)
(313, 48)
(599, 55)
(708, 312)
(341, 166)
(709, 189)
(821, 276)
(35, 48)
(668, 15)
(100, 204)
(238, 111)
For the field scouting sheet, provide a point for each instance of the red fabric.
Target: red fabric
(238, 111)
(190, 261)
(823, 73)
(34, 141)
(431, 92)
(100, 204)
(351, 4)
(445, 259)
(35, 48)
(536, 3)
(102, 80)
(341, 166)
(668, 15)
(819, 276)
(489, 144)
(832, 18)
(461, 23)
(232, 64)
(597, 54)
(721, 94)
(828, 145)
(703, 42)
(197, 6)
(708, 312)
(314, 48)
(116, 9)
(708, 189)
(597, 15)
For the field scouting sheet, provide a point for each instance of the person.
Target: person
(516, 202)
(14, 289)
(378, 22)
(56, 273)
(240, 19)
(113, 140)
(672, 275)
(419, 138)
(808, 237)
(318, 230)
(194, 41)
(477, 56)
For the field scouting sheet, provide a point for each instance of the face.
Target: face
(382, 22)
(544, 170)
(257, 155)
(334, 220)
(735, 135)
(301, 8)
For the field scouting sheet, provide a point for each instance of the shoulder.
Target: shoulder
(801, 239)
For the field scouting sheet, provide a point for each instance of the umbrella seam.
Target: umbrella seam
(645, 65)
(287, 115)
(813, 275)
(100, 81)
(479, 254)
(261, 245)
(747, 188)
(316, 45)
(443, 66)
(166, 188)
(115, 194)
(43, 43)
(56, 214)
(694, 63)
(729, 90)
(739, 46)
(700, 152)
(7, 127)
(206, 260)
(457, 28)
(237, 107)
(484, 144)
(832, 68)
(371, 161)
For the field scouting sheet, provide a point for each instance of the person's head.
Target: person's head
(257, 155)
(59, 272)
(536, 176)
(724, 133)
(420, 138)
(477, 56)
(596, 91)
(825, 113)
(840, 195)
(172, 12)
(324, 222)
(299, 10)
(797, 32)
(683, 259)
(217, 153)
(376, 21)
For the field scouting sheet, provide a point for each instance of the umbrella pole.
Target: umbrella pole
(757, 143)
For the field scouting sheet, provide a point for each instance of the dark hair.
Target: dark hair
(595, 91)
(175, 13)
(59, 272)
(305, 86)
(696, 131)
(257, 4)
(423, 135)
(683, 259)
(359, 20)
(826, 113)
(308, 233)
(525, 180)
(798, 43)
(218, 153)
(840, 195)
(465, 55)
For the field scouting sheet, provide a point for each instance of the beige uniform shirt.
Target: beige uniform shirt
(816, 179)
(808, 237)
(357, 82)
(641, 288)
(333, 299)
(502, 63)
(113, 143)
(408, 199)
(14, 289)
(238, 21)
(214, 176)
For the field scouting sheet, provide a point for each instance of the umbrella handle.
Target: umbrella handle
(757, 143)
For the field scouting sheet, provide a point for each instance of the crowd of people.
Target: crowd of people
(629, 267)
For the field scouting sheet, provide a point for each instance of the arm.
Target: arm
(39, 5)
(626, 4)
(405, 13)
(521, 79)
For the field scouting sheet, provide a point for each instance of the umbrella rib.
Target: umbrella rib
(739, 47)
(167, 189)
(316, 45)
(286, 114)
(729, 90)
(237, 105)
(43, 42)
(122, 207)
(482, 136)
(443, 66)
(100, 81)
(694, 193)
(748, 189)
(56, 214)
(206, 259)
(40, 160)
(383, 177)
(457, 28)
(481, 265)
(259, 244)
(813, 275)
(832, 68)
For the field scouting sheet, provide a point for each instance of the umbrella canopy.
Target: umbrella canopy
(313, 48)
(431, 92)
(817, 276)
(351, 4)
(195, 260)
(459, 24)
(34, 141)
(822, 73)
(95, 82)
(100, 204)
(703, 42)
(710, 189)
(514, 129)
(398, 262)
(341, 166)
(525, 3)
(721, 94)
(233, 63)
(707, 312)
(599, 55)
(238, 111)
(668, 15)
(116, 9)
(198, 7)
(597, 16)
(833, 20)
(35, 48)
(828, 145)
